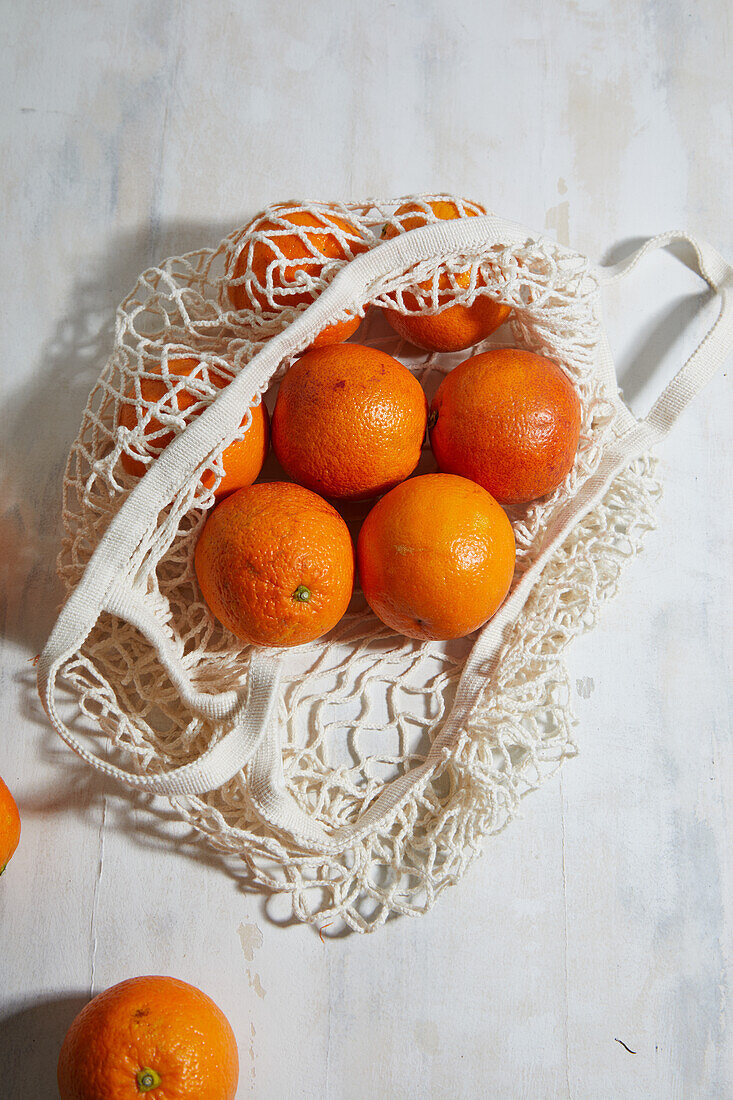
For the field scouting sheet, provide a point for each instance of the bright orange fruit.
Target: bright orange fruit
(9, 826)
(242, 460)
(458, 326)
(275, 564)
(509, 420)
(149, 1035)
(349, 421)
(436, 557)
(276, 259)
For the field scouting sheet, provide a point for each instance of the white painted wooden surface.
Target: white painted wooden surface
(132, 130)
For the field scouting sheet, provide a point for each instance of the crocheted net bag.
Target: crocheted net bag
(361, 773)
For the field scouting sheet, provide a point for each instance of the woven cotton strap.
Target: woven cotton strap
(213, 768)
(268, 788)
(253, 737)
(710, 354)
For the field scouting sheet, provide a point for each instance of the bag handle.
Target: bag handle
(713, 350)
(217, 765)
(267, 786)
(635, 439)
(251, 713)
(254, 737)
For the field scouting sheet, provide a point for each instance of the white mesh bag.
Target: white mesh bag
(361, 773)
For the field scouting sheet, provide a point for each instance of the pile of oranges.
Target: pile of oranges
(435, 555)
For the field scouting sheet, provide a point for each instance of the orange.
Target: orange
(349, 421)
(436, 557)
(458, 326)
(508, 419)
(275, 564)
(242, 459)
(9, 826)
(149, 1035)
(277, 259)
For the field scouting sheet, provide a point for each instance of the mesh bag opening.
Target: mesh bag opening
(363, 708)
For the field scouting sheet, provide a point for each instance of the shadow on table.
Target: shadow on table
(149, 821)
(41, 419)
(662, 330)
(30, 1041)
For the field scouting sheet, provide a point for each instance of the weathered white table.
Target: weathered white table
(603, 917)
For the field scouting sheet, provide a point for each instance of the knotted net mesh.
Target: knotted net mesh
(361, 706)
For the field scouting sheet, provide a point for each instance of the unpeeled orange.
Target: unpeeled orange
(273, 261)
(436, 557)
(242, 460)
(457, 327)
(149, 1035)
(9, 826)
(349, 421)
(509, 420)
(275, 564)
